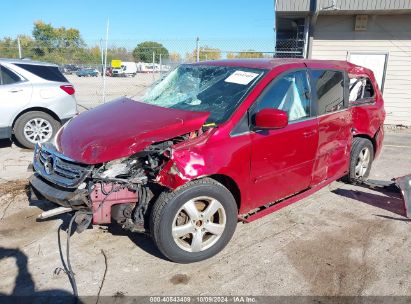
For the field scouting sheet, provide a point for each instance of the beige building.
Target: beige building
(372, 33)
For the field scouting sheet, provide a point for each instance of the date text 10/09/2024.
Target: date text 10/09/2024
(203, 299)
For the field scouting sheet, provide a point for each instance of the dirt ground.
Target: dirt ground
(89, 90)
(343, 240)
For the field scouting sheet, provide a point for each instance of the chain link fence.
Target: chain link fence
(286, 48)
(140, 67)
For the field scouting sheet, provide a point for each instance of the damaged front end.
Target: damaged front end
(120, 189)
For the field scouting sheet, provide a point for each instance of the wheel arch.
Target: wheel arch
(32, 109)
(230, 184)
(371, 139)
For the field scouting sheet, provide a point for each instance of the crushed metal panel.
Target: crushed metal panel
(404, 183)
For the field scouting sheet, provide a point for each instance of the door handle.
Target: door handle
(15, 90)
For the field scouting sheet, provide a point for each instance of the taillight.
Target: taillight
(69, 89)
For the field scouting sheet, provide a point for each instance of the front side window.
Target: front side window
(7, 76)
(329, 88)
(215, 89)
(290, 93)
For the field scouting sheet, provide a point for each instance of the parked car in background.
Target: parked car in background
(69, 69)
(126, 69)
(212, 144)
(35, 100)
(109, 71)
(87, 72)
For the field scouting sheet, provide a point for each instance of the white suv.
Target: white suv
(35, 100)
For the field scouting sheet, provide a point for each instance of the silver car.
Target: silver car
(35, 100)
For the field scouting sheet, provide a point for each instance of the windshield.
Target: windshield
(215, 89)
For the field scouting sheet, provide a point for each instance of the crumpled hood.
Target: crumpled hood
(121, 128)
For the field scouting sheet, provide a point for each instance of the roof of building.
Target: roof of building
(343, 6)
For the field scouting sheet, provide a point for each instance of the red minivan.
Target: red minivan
(212, 144)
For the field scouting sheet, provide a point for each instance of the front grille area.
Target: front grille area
(59, 169)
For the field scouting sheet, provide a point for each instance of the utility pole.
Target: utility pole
(161, 66)
(105, 64)
(102, 53)
(198, 49)
(103, 70)
(19, 46)
(154, 58)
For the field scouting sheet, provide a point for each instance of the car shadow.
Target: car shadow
(388, 200)
(5, 143)
(141, 240)
(24, 290)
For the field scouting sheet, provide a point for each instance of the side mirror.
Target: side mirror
(270, 119)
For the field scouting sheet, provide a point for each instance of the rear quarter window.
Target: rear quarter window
(50, 73)
(361, 91)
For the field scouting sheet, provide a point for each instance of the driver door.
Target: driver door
(282, 160)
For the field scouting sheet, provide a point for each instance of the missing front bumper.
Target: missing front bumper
(98, 202)
(65, 197)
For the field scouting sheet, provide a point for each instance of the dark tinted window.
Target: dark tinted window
(46, 72)
(7, 76)
(329, 87)
(289, 93)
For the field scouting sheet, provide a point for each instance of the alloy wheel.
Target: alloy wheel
(38, 130)
(363, 162)
(199, 224)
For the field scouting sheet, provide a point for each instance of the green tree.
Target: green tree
(58, 45)
(205, 53)
(250, 54)
(175, 57)
(144, 51)
(119, 53)
(9, 47)
(231, 56)
(51, 37)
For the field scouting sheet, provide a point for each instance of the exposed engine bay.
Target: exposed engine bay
(120, 189)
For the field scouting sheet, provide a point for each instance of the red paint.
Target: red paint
(265, 165)
(102, 203)
(121, 128)
(284, 203)
(271, 119)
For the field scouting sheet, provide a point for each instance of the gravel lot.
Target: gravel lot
(89, 90)
(343, 240)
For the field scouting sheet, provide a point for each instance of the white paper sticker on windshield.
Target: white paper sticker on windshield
(241, 77)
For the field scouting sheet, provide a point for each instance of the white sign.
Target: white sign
(241, 77)
(374, 62)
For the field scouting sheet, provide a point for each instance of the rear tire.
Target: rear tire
(33, 127)
(362, 156)
(195, 222)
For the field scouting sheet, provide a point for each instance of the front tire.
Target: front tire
(34, 127)
(195, 222)
(362, 156)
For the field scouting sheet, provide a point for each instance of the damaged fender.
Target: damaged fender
(182, 168)
(185, 163)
